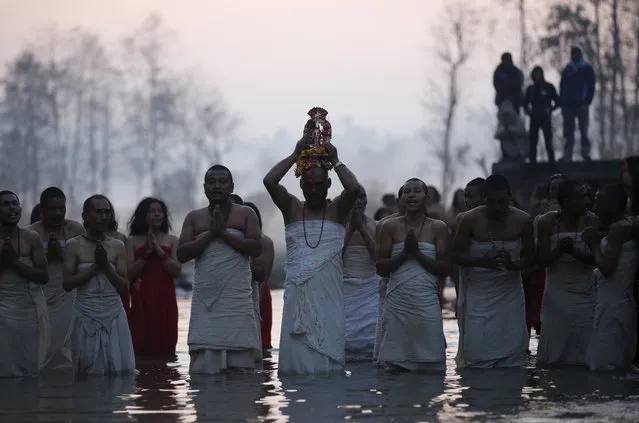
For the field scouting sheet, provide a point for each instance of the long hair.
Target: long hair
(35, 214)
(88, 206)
(138, 224)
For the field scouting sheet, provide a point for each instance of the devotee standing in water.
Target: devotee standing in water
(494, 243)
(413, 252)
(95, 264)
(613, 342)
(361, 283)
(153, 266)
(55, 231)
(312, 336)
(221, 238)
(24, 325)
(261, 270)
(569, 296)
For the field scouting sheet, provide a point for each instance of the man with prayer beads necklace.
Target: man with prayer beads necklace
(313, 326)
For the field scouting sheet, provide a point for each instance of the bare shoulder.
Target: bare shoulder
(459, 218)
(37, 227)
(591, 219)
(520, 215)
(195, 214)
(471, 216)
(390, 224)
(31, 235)
(75, 228)
(74, 242)
(245, 211)
(438, 225)
(114, 242)
(546, 218)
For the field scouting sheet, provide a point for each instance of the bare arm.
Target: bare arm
(278, 193)
(461, 245)
(547, 255)
(369, 239)
(606, 261)
(117, 276)
(440, 266)
(527, 254)
(37, 272)
(135, 266)
(190, 247)
(171, 262)
(72, 277)
(386, 262)
(352, 188)
(265, 260)
(251, 242)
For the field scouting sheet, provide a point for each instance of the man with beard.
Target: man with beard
(24, 324)
(95, 265)
(222, 238)
(55, 231)
(312, 336)
(569, 297)
(413, 252)
(361, 283)
(494, 242)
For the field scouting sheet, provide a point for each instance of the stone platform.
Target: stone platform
(524, 177)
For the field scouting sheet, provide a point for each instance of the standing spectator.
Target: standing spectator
(508, 81)
(576, 91)
(539, 102)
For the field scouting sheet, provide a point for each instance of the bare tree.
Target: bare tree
(454, 41)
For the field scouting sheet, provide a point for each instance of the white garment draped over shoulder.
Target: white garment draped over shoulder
(312, 336)
(413, 332)
(614, 338)
(361, 302)
(100, 336)
(60, 305)
(567, 307)
(492, 320)
(24, 325)
(222, 330)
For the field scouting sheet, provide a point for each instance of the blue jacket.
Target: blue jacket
(577, 86)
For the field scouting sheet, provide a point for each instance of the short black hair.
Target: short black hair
(565, 189)
(35, 214)
(219, 167)
(420, 181)
(496, 182)
(256, 210)
(617, 193)
(236, 199)
(381, 213)
(49, 194)
(87, 207)
(477, 183)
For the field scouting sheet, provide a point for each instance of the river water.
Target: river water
(164, 392)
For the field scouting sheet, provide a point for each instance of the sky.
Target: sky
(370, 61)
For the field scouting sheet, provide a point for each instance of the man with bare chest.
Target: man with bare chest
(413, 252)
(494, 242)
(23, 309)
(95, 265)
(312, 336)
(55, 231)
(221, 238)
(361, 283)
(569, 295)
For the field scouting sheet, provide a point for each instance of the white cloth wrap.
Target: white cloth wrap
(567, 307)
(255, 295)
(493, 331)
(614, 338)
(24, 325)
(383, 286)
(361, 302)
(312, 335)
(413, 332)
(60, 305)
(100, 336)
(222, 316)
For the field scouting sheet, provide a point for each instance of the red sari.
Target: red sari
(154, 315)
(266, 314)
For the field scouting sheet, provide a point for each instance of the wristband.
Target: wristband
(338, 164)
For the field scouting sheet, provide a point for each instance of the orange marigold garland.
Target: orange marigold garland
(318, 132)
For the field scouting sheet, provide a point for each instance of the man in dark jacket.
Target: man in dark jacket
(539, 102)
(508, 81)
(576, 91)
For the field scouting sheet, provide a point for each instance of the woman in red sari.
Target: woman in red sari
(261, 269)
(153, 265)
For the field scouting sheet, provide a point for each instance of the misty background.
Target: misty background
(139, 97)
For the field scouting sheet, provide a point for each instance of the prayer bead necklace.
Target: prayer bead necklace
(321, 229)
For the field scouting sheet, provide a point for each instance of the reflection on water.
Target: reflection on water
(164, 392)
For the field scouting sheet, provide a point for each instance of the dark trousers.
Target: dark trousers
(546, 127)
(581, 114)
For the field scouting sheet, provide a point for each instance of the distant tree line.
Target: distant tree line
(75, 113)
